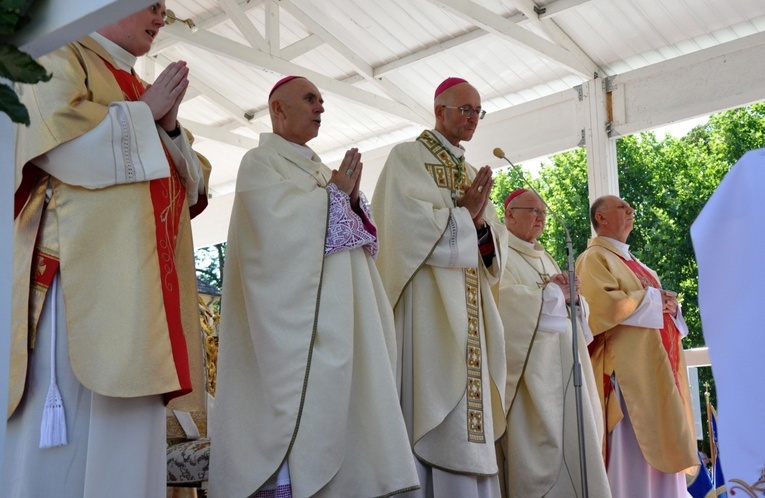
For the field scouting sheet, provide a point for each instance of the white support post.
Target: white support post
(602, 174)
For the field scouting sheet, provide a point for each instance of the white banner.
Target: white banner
(729, 241)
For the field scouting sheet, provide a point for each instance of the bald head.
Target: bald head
(295, 107)
(449, 119)
(612, 217)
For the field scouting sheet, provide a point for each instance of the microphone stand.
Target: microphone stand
(574, 336)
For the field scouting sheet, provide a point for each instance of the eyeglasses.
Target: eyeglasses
(535, 211)
(468, 111)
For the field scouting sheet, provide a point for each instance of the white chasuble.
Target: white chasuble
(540, 450)
(448, 328)
(307, 345)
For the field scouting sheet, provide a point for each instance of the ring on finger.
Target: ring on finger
(349, 171)
(480, 189)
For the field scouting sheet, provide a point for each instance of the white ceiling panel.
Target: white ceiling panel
(377, 62)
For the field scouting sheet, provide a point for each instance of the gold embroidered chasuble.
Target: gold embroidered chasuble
(540, 402)
(447, 322)
(661, 414)
(105, 238)
(307, 345)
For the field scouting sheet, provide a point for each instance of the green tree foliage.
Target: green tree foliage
(667, 182)
(210, 262)
(15, 65)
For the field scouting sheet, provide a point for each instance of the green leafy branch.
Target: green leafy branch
(16, 66)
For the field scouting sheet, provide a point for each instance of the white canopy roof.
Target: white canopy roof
(377, 64)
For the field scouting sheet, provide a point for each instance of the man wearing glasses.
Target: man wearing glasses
(441, 249)
(539, 452)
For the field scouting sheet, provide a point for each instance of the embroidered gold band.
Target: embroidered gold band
(474, 360)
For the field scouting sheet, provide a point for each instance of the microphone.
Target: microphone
(574, 339)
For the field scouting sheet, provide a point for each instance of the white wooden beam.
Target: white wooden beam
(526, 131)
(220, 135)
(216, 97)
(311, 18)
(56, 23)
(272, 21)
(489, 21)
(300, 47)
(228, 48)
(166, 42)
(552, 9)
(558, 7)
(697, 357)
(556, 34)
(244, 25)
(315, 20)
(711, 80)
(432, 50)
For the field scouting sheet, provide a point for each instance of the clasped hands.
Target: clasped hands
(562, 280)
(476, 197)
(669, 302)
(165, 95)
(348, 177)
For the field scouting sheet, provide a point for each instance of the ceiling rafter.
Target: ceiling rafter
(255, 58)
(314, 20)
(222, 136)
(244, 25)
(530, 10)
(244, 5)
(216, 97)
(551, 9)
(557, 7)
(510, 31)
(301, 47)
(312, 41)
(272, 22)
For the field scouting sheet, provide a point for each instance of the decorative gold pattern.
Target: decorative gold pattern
(449, 173)
(474, 360)
(756, 490)
(209, 320)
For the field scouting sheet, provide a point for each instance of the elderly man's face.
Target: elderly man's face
(616, 219)
(525, 216)
(136, 32)
(449, 120)
(302, 106)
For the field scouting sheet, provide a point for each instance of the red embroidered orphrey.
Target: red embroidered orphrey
(167, 196)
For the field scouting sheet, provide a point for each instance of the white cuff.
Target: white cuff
(649, 314)
(123, 148)
(554, 318)
(458, 247)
